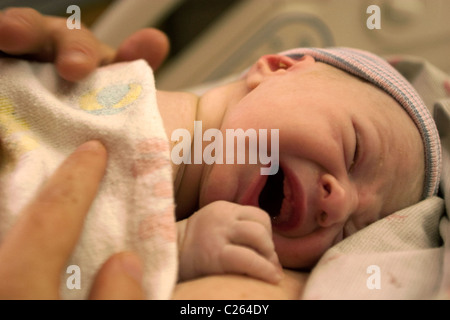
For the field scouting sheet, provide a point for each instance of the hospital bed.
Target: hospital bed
(251, 28)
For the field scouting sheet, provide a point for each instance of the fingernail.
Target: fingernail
(92, 145)
(75, 57)
(132, 266)
(279, 274)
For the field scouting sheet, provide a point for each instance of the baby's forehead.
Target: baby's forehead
(372, 97)
(334, 73)
(343, 80)
(362, 97)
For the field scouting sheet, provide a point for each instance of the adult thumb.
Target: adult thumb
(120, 278)
(149, 44)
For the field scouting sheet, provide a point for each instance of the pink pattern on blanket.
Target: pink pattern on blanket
(153, 155)
(396, 217)
(159, 224)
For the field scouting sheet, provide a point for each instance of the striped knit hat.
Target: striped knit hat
(379, 72)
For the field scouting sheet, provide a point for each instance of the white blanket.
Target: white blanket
(44, 118)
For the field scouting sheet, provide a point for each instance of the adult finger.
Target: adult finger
(76, 52)
(149, 44)
(22, 31)
(38, 246)
(119, 278)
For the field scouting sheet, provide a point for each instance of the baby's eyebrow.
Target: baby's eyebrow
(295, 56)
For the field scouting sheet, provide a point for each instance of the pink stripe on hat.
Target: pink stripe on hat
(374, 69)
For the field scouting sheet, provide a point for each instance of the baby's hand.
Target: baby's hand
(224, 237)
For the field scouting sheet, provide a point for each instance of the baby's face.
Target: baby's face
(349, 155)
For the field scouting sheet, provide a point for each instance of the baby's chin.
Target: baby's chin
(302, 253)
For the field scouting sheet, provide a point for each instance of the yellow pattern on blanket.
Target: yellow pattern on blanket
(14, 129)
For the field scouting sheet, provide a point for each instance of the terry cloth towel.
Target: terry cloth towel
(44, 118)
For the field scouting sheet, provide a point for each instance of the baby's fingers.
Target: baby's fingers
(256, 237)
(242, 260)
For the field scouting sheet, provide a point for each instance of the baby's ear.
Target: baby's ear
(270, 65)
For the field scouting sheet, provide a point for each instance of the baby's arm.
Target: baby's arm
(224, 237)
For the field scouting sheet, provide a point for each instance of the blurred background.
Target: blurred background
(211, 39)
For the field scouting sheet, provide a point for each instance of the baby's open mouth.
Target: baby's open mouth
(276, 198)
(271, 197)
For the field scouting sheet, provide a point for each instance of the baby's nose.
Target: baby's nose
(336, 202)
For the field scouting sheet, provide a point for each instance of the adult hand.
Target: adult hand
(35, 251)
(76, 53)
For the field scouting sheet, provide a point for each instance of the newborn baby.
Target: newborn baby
(356, 144)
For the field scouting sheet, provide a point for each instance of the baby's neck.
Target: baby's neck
(181, 110)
